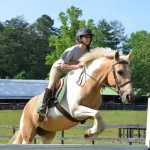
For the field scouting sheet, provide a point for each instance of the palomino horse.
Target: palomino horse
(82, 97)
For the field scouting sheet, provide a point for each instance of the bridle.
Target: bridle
(118, 85)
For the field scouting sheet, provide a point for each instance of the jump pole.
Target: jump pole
(148, 125)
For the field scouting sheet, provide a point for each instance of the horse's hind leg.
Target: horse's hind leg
(17, 138)
(28, 132)
(28, 135)
(27, 129)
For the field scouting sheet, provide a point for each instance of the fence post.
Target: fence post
(34, 140)
(93, 142)
(62, 135)
(14, 130)
(119, 133)
(148, 125)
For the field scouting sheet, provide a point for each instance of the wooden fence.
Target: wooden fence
(126, 133)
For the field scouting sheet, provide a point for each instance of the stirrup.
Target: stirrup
(43, 114)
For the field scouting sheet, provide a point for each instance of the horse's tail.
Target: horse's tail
(16, 138)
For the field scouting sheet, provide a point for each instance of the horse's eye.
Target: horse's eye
(120, 72)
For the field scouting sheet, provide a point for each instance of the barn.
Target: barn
(15, 93)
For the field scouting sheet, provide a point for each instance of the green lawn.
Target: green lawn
(12, 117)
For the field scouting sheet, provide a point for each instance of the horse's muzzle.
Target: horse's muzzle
(127, 97)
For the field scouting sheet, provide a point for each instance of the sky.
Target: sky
(133, 14)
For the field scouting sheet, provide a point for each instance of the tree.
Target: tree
(119, 39)
(139, 43)
(112, 34)
(70, 24)
(11, 47)
(97, 38)
(41, 30)
(23, 47)
(105, 34)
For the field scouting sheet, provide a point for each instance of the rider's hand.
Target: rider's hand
(80, 65)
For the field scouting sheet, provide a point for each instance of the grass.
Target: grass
(12, 117)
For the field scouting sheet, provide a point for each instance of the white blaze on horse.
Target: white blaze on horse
(82, 97)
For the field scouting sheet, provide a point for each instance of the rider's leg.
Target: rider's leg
(55, 74)
(43, 110)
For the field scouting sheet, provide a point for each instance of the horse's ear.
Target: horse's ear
(116, 55)
(129, 56)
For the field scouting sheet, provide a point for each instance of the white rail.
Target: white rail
(148, 125)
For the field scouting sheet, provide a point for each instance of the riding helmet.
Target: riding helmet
(83, 31)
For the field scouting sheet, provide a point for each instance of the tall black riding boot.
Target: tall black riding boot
(43, 110)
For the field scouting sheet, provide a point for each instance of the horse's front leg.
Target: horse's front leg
(99, 124)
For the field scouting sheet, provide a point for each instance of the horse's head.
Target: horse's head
(120, 77)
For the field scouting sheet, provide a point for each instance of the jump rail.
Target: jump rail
(73, 147)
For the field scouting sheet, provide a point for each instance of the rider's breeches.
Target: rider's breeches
(55, 74)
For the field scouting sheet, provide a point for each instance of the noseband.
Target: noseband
(119, 86)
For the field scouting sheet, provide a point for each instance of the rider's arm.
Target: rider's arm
(70, 66)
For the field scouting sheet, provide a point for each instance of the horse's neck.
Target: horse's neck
(89, 77)
(98, 71)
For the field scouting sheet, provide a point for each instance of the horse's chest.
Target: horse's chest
(93, 102)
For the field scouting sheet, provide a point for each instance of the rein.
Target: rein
(83, 75)
(119, 86)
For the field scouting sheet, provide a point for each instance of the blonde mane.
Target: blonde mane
(97, 53)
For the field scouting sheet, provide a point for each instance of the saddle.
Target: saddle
(58, 93)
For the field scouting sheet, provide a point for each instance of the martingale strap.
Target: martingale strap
(67, 115)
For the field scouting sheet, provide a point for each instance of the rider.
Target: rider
(68, 61)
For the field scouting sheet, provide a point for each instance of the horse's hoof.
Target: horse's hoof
(86, 136)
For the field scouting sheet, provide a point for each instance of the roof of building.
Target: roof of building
(26, 89)
(21, 89)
